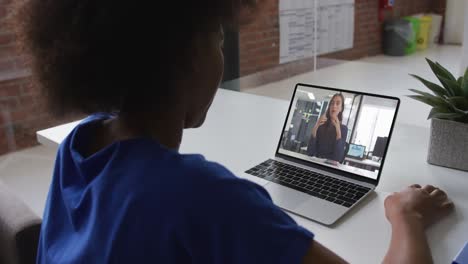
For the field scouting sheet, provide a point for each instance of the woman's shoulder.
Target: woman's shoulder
(200, 174)
(172, 169)
(344, 130)
(207, 184)
(196, 164)
(185, 180)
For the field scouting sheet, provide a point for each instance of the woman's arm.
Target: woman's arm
(409, 213)
(408, 243)
(312, 146)
(339, 151)
(337, 124)
(320, 122)
(319, 254)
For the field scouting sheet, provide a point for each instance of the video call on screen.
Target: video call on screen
(343, 130)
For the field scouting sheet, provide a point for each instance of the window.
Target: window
(373, 122)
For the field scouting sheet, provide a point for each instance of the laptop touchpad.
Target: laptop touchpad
(285, 197)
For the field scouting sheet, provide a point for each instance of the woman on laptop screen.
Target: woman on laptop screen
(328, 138)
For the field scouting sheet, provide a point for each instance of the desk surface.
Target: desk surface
(364, 77)
(242, 130)
(364, 161)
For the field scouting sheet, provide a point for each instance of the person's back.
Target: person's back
(136, 201)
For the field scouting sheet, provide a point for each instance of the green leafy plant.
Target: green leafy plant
(448, 100)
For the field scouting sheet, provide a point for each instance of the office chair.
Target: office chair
(379, 147)
(19, 230)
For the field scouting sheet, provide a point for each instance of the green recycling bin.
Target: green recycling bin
(412, 43)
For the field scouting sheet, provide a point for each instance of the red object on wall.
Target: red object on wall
(385, 5)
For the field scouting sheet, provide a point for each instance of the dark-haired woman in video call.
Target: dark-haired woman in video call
(328, 137)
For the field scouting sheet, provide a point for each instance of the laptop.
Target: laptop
(308, 175)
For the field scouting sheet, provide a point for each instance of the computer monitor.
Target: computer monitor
(379, 148)
(356, 151)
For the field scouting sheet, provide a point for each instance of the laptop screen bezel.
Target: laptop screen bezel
(328, 168)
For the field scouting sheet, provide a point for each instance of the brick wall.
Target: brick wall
(9, 59)
(22, 109)
(259, 41)
(22, 112)
(439, 6)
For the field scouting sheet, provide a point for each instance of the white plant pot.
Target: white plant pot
(448, 144)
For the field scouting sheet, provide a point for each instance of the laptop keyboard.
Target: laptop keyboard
(318, 185)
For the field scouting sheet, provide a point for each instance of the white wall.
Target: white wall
(379, 102)
(454, 19)
(464, 60)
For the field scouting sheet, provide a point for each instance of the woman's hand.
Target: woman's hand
(337, 124)
(320, 122)
(423, 205)
(410, 212)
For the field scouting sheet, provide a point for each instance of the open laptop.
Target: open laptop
(308, 175)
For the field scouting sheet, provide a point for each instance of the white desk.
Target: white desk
(364, 77)
(242, 130)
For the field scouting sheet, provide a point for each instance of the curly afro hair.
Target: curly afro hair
(114, 55)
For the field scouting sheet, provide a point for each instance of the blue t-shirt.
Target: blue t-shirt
(136, 201)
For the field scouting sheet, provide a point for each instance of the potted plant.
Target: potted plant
(448, 144)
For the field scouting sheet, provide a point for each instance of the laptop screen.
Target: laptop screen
(344, 130)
